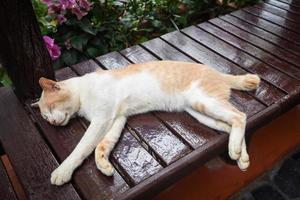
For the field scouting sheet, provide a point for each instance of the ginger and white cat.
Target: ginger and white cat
(108, 98)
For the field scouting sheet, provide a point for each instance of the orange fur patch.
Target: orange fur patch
(175, 76)
(101, 148)
(51, 97)
(127, 71)
(199, 107)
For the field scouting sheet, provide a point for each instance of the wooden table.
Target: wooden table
(158, 148)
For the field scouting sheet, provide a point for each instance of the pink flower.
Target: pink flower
(48, 2)
(58, 8)
(79, 13)
(68, 3)
(61, 18)
(85, 4)
(54, 8)
(53, 49)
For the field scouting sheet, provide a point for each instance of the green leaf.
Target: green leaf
(72, 22)
(79, 41)
(156, 23)
(59, 63)
(86, 26)
(143, 39)
(69, 57)
(96, 42)
(93, 52)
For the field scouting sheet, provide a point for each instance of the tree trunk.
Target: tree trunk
(22, 50)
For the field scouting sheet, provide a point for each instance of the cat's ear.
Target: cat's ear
(48, 85)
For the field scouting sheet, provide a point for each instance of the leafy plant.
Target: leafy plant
(89, 28)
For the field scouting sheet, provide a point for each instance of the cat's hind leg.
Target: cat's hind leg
(208, 121)
(105, 147)
(243, 162)
(224, 111)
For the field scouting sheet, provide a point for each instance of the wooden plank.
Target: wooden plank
(112, 60)
(192, 131)
(154, 184)
(30, 156)
(64, 73)
(239, 99)
(165, 51)
(290, 8)
(6, 190)
(265, 35)
(133, 160)
(262, 50)
(244, 60)
(137, 54)
(295, 27)
(159, 138)
(268, 26)
(187, 127)
(129, 157)
(63, 140)
(167, 146)
(266, 92)
(291, 2)
(85, 67)
(279, 11)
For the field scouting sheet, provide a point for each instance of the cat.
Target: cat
(107, 98)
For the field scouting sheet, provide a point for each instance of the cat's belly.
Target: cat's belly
(156, 103)
(143, 92)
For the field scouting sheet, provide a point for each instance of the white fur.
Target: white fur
(107, 101)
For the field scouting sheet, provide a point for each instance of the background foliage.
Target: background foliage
(113, 25)
(75, 30)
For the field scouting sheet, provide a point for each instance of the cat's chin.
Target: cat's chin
(65, 121)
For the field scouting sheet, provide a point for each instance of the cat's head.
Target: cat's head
(57, 103)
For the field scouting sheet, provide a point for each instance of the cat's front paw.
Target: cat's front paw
(105, 167)
(61, 175)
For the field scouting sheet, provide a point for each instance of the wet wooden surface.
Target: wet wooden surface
(30, 156)
(158, 148)
(6, 190)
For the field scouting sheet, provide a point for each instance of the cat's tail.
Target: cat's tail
(242, 82)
